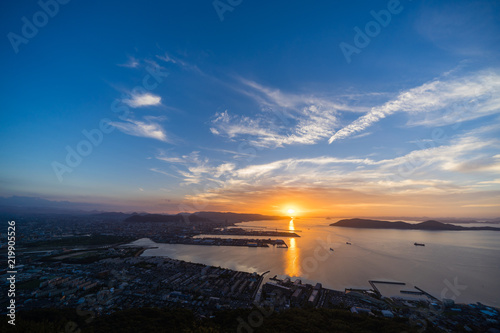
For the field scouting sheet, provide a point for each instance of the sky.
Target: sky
(335, 108)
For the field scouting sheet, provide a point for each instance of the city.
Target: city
(88, 264)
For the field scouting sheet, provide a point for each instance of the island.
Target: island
(427, 225)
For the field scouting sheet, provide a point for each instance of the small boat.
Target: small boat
(419, 244)
(348, 243)
(331, 249)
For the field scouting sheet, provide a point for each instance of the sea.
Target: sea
(459, 265)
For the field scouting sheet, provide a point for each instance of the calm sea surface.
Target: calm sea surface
(462, 265)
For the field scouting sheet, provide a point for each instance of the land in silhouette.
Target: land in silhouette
(202, 217)
(427, 225)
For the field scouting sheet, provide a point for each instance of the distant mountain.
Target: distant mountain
(114, 214)
(33, 205)
(450, 220)
(471, 221)
(166, 218)
(200, 217)
(237, 217)
(427, 225)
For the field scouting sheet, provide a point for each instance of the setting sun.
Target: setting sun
(291, 211)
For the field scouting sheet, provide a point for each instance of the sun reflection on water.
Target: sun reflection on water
(292, 254)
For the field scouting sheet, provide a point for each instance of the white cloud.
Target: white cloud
(482, 205)
(140, 100)
(307, 127)
(170, 159)
(283, 118)
(166, 58)
(131, 63)
(440, 102)
(147, 129)
(197, 169)
(163, 172)
(177, 61)
(276, 98)
(431, 169)
(491, 182)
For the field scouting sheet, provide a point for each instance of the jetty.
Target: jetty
(375, 289)
(427, 294)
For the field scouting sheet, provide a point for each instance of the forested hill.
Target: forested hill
(427, 225)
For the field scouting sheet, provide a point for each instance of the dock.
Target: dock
(372, 283)
(256, 294)
(411, 292)
(427, 294)
(280, 243)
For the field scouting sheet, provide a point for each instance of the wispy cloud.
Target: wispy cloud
(166, 57)
(131, 63)
(435, 171)
(439, 102)
(141, 100)
(163, 172)
(149, 128)
(235, 154)
(308, 126)
(283, 118)
(273, 97)
(195, 169)
(482, 205)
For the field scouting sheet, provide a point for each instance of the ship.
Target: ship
(331, 249)
(419, 244)
(348, 243)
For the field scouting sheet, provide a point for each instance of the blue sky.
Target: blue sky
(254, 106)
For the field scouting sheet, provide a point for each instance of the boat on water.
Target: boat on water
(419, 244)
(331, 249)
(348, 243)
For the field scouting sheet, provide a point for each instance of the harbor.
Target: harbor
(216, 241)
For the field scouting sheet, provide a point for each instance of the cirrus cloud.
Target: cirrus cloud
(439, 102)
(141, 100)
(149, 128)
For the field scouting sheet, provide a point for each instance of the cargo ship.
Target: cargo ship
(419, 244)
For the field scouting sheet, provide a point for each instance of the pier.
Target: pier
(280, 243)
(256, 294)
(372, 283)
(411, 292)
(427, 294)
(264, 233)
(248, 242)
